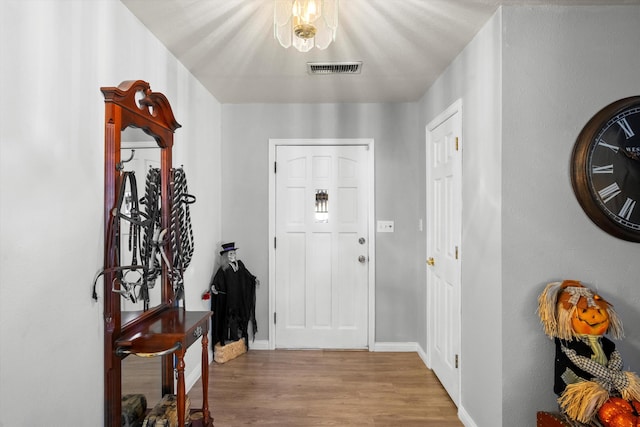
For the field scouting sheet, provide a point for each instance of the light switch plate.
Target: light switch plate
(385, 227)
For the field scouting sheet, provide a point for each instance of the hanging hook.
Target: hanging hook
(120, 165)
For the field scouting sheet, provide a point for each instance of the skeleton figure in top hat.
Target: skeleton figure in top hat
(588, 368)
(234, 299)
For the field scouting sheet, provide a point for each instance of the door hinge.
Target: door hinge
(274, 317)
(457, 144)
(456, 252)
(456, 361)
(275, 167)
(274, 243)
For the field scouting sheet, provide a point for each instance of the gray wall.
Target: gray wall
(560, 66)
(398, 187)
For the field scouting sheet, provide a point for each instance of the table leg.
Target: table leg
(181, 387)
(205, 379)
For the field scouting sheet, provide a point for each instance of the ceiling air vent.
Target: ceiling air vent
(334, 67)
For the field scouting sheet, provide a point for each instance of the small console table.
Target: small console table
(171, 332)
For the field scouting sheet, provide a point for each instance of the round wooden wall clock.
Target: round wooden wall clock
(605, 169)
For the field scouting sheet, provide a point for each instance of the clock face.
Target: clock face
(605, 169)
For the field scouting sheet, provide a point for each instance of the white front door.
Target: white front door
(321, 247)
(444, 217)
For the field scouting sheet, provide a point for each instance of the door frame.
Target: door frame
(369, 143)
(453, 109)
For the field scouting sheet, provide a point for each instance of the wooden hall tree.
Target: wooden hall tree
(165, 330)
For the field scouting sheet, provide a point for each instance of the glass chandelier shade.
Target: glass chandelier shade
(305, 24)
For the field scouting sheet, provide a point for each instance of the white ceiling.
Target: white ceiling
(404, 45)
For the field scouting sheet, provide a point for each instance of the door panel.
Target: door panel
(296, 292)
(321, 296)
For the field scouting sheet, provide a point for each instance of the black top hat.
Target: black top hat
(226, 247)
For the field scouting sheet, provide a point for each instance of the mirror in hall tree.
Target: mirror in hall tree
(139, 223)
(139, 154)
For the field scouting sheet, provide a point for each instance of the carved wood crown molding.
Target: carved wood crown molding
(151, 112)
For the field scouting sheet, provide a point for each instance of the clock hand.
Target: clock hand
(631, 154)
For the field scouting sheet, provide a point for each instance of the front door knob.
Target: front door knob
(362, 259)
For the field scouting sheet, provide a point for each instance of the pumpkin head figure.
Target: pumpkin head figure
(568, 309)
(588, 368)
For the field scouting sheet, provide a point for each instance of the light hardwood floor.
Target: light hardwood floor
(315, 388)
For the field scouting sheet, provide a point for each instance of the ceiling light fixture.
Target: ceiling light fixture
(305, 23)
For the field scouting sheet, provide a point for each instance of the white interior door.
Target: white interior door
(444, 204)
(321, 255)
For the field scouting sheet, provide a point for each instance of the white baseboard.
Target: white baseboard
(465, 418)
(423, 357)
(195, 373)
(259, 345)
(403, 347)
(193, 377)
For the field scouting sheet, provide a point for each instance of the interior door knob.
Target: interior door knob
(362, 259)
(431, 261)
